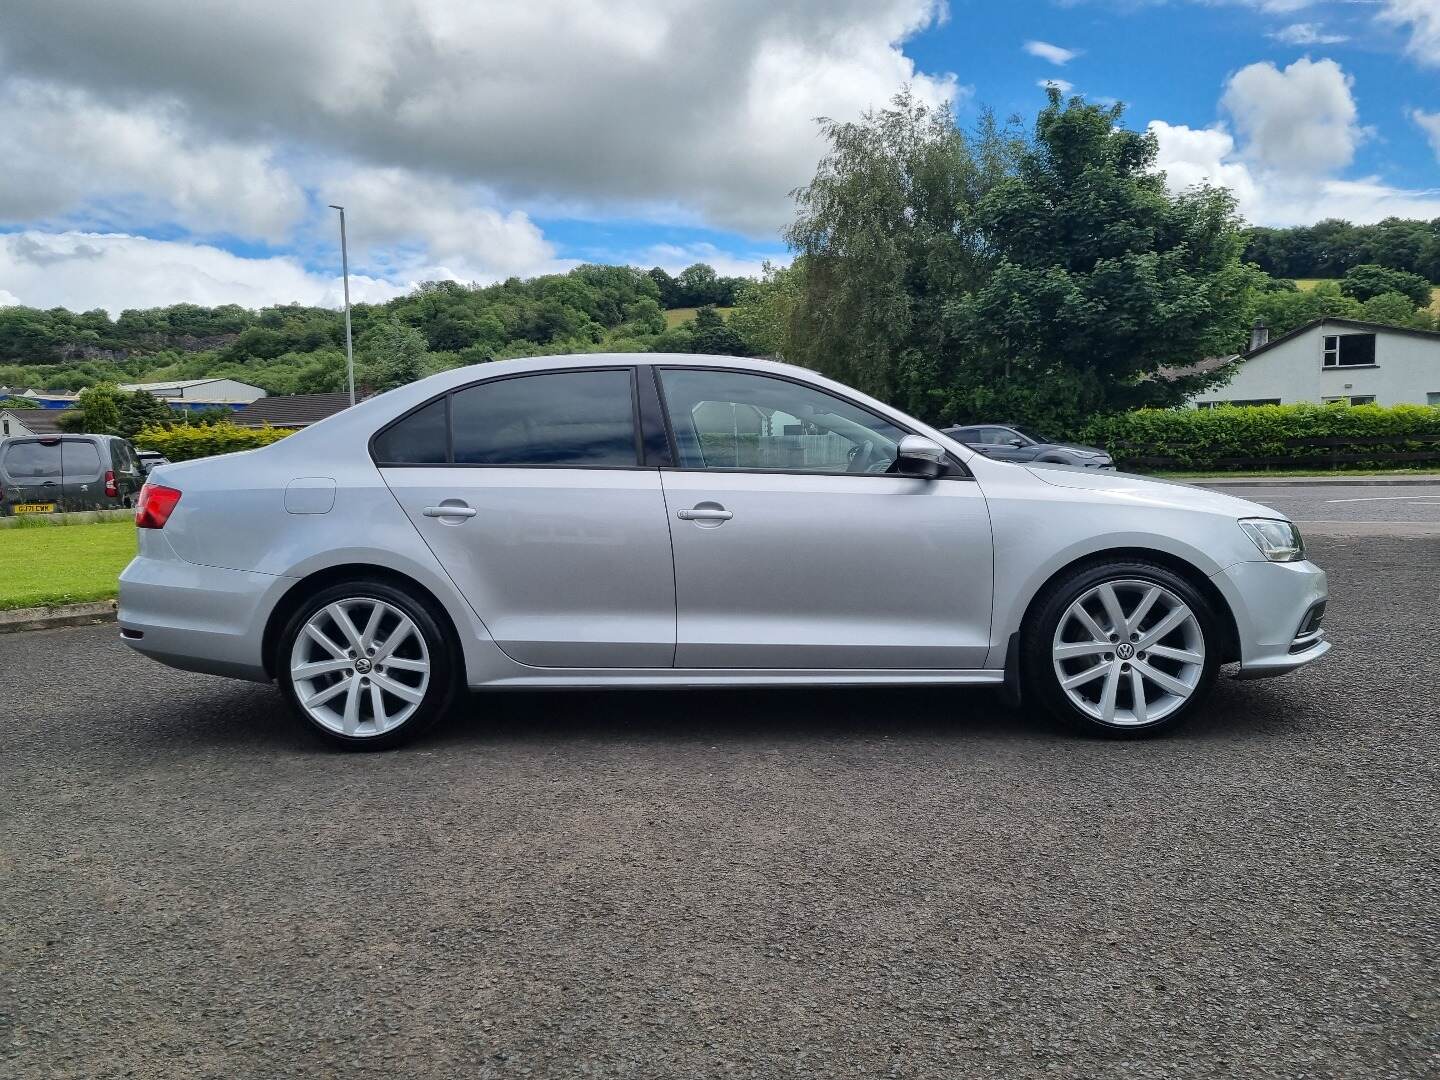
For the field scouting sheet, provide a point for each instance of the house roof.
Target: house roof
(38, 421)
(292, 410)
(1352, 324)
(177, 383)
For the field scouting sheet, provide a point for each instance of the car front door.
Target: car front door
(532, 493)
(797, 545)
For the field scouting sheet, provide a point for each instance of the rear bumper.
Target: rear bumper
(1272, 603)
(198, 618)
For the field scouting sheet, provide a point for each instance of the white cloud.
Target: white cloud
(1053, 53)
(1422, 19)
(1294, 130)
(1301, 120)
(676, 257)
(706, 107)
(1307, 33)
(1192, 156)
(1430, 124)
(64, 149)
(1063, 85)
(115, 271)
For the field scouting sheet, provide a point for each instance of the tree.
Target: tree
(394, 354)
(710, 334)
(18, 403)
(1367, 281)
(140, 410)
(1043, 278)
(765, 309)
(96, 411)
(889, 235)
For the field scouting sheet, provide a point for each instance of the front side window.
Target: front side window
(740, 420)
(1349, 350)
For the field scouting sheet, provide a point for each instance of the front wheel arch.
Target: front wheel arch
(1230, 634)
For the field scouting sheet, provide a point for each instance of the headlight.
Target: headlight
(1278, 541)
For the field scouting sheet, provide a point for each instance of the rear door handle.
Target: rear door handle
(704, 514)
(449, 511)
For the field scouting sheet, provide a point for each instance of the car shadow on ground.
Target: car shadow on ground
(245, 715)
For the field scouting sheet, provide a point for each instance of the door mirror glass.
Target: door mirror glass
(919, 456)
(1017, 443)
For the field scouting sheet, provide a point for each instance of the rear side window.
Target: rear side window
(419, 439)
(80, 460)
(32, 460)
(559, 418)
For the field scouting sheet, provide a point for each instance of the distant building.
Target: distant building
(14, 422)
(1334, 360)
(193, 394)
(291, 410)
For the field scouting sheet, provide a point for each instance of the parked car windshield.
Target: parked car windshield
(1033, 435)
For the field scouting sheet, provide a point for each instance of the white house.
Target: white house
(1335, 360)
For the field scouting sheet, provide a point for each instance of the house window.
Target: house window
(1349, 350)
(1240, 402)
(1433, 398)
(1358, 399)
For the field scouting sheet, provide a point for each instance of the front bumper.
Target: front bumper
(1274, 605)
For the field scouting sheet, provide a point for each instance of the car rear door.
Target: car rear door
(531, 491)
(82, 474)
(798, 546)
(30, 473)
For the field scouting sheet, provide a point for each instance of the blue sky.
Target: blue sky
(159, 152)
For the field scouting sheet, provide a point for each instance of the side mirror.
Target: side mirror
(920, 457)
(1017, 443)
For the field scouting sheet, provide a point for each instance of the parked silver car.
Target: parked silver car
(658, 520)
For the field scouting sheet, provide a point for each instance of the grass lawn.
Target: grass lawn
(63, 564)
(1311, 282)
(675, 316)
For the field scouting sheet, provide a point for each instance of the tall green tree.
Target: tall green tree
(889, 234)
(1042, 277)
(1369, 280)
(393, 355)
(96, 411)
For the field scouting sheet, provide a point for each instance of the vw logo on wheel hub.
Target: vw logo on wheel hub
(1124, 650)
(362, 665)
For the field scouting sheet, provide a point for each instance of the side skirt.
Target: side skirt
(638, 678)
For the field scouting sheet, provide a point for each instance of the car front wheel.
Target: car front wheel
(366, 665)
(1122, 648)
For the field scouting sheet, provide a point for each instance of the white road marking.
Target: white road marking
(1385, 498)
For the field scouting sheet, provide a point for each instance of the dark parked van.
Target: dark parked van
(55, 474)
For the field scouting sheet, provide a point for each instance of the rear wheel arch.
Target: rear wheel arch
(307, 587)
(1230, 634)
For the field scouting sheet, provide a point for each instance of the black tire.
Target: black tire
(1041, 683)
(443, 657)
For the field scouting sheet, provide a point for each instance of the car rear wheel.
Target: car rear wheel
(1122, 648)
(366, 665)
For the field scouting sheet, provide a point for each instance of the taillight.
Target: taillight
(156, 504)
(111, 491)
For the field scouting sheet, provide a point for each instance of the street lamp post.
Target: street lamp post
(345, 272)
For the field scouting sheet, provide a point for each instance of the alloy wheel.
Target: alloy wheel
(360, 667)
(1128, 652)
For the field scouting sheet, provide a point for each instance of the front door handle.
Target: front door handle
(705, 513)
(449, 511)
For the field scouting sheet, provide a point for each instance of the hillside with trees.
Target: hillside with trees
(1043, 274)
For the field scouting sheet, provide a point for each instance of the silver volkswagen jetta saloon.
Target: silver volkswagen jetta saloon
(657, 520)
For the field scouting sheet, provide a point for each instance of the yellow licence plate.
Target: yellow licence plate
(33, 508)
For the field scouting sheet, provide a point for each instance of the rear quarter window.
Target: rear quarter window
(80, 460)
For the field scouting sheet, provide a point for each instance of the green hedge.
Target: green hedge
(180, 443)
(1271, 436)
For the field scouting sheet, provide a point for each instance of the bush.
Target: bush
(182, 443)
(1270, 436)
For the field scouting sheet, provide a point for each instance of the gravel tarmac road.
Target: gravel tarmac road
(727, 884)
